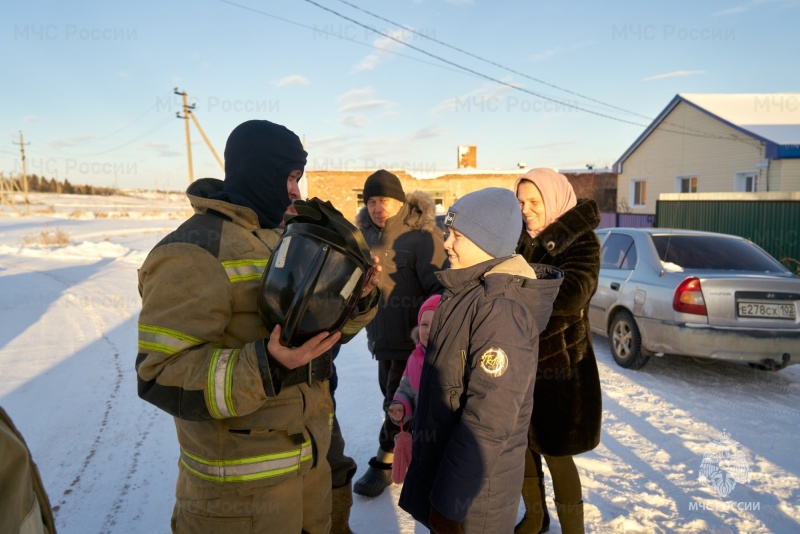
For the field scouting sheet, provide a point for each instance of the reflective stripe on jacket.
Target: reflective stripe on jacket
(202, 355)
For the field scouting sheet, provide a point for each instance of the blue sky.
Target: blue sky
(90, 84)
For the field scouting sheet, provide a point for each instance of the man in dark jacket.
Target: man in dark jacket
(402, 232)
(476, 391)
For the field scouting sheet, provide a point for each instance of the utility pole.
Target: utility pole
(24, 174)
(210, 146)
(186, 112)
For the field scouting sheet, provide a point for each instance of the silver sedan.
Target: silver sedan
(691, 293)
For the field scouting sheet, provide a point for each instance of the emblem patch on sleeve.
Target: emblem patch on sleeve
(494, 362)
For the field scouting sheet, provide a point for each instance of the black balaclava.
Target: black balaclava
(259, 156)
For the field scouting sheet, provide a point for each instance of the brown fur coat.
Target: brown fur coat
(567, 405)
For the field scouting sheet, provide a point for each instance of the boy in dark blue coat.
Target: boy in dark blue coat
(476, 391)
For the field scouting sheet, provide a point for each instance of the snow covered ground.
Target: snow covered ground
(68, 315)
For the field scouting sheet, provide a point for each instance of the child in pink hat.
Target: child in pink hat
(405, 399)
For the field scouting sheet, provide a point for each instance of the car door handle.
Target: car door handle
(615, 286)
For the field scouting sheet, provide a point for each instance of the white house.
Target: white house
(713, 143)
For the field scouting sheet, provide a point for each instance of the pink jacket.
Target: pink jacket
(408, 389)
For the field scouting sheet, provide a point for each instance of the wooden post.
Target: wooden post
(24, 174)
(185, 118)
(210, 146)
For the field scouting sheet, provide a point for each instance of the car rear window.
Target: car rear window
(712, 252)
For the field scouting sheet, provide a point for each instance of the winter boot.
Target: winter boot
(536, 519)
(342, 501)
(377, 477)
(571, 517)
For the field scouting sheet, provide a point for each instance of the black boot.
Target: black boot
(377, 477)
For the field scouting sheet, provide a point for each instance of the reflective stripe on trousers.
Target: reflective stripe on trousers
(247, 469)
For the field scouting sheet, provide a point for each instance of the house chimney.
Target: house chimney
(467, 156)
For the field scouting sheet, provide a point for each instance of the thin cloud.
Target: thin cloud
(292, 80)
(485, 95)
(675, 74)
(548, 146)
(31, 118)
(460, 2)
(547, 54)
(427, 133)
(366, 105)
(123, 74)
(69, 142)
(384, 48)
(742, 8)
(162, 150)
(354, 121)
(356, 94)
(331, 140)
(544, 55)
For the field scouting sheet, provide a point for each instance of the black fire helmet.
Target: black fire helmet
(316, 275)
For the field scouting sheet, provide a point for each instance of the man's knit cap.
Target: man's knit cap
(383, 184)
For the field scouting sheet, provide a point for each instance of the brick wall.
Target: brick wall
(342, 188)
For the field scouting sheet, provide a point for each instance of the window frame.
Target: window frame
(681, 178)
(633, 197)
(740, 181)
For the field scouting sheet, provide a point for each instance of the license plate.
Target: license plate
(763, 310)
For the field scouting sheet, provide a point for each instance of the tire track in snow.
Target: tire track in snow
(118, 505)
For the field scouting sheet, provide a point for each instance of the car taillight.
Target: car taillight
(689, 297)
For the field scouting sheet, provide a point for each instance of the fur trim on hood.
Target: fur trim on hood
(421, 213)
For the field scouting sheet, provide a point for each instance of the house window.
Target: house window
(686, 184)
(638, 192)
(746, 182)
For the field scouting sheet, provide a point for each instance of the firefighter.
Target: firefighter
(252, 415)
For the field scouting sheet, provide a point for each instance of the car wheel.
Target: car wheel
(626, 342)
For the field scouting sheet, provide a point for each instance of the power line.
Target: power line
(151, 130)
(490, 62)
(126, 125)
(462, 69)
(467, 69)
(685, 131)
(315, 29)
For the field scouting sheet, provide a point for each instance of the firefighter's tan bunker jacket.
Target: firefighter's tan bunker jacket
(202, 357)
